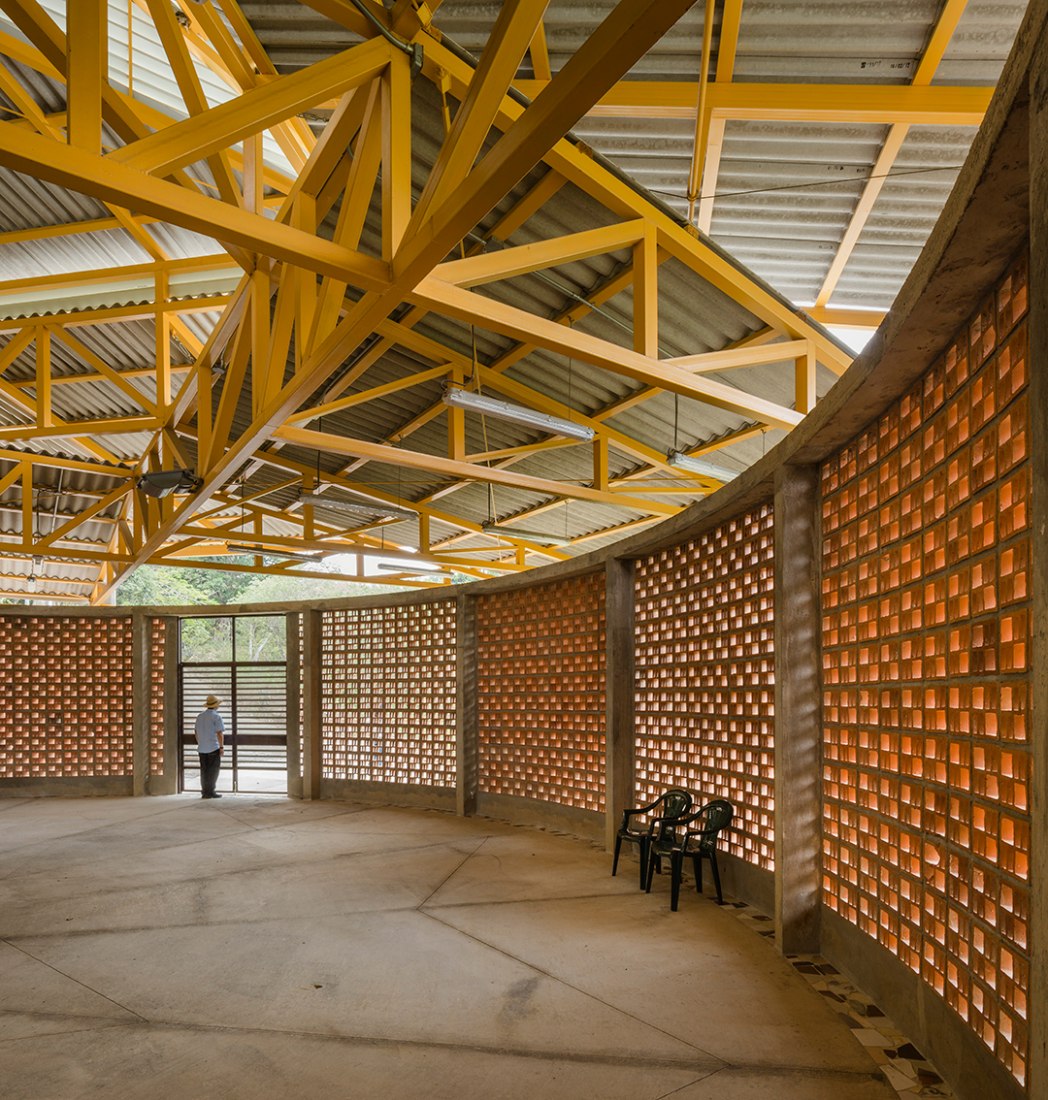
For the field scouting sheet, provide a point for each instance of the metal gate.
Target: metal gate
(254, 702)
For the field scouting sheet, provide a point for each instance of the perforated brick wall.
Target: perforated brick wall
(389, 682)
(157, 644)
(541, 692)
(926, 642)
(65, 697)
(705, 676)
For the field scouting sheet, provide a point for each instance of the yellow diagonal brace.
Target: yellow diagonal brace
(510, 262)
(255, 110)
(507, 43)
(86, 514)
(103, 368)
(96, 176)
(174, 43)
(369, 395)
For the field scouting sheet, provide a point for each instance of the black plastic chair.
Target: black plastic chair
(667, 809)
(695, 838)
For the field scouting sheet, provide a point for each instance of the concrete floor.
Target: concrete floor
(265, 949)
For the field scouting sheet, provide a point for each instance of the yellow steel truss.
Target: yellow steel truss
(318, 304)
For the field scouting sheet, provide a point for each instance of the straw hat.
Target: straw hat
(213, 701)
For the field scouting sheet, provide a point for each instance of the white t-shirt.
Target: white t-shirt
(208, 727)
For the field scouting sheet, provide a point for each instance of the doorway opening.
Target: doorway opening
(243, 660)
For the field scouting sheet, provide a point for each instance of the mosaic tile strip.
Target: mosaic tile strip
(541, 692)
(926, 641)
(903, 1065)
(66, 697)
(705, 676)
(389, 694)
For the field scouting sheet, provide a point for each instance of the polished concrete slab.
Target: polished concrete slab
(259, 947)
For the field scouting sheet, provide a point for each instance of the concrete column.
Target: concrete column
(139, 703)
(172, 717)
(619, 604)
(798, 710)
(1038, 365)
(466, 730)
(293, 723)
(312, 700)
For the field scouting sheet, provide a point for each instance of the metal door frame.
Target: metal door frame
(232, 665)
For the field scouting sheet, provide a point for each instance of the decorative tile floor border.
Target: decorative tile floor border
(906, 1069)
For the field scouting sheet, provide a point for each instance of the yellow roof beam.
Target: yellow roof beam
(111, 182)
(71, 429)
(940, 104)
(846, 318)
(510, 321)
(105, 315)
(184, 143)
(448, 467)
(69, 279)
(949, 17)
(508, 263)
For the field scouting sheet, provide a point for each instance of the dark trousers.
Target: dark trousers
(210, 763)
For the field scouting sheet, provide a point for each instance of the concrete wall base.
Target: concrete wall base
(110, 786)
(934, 1028)
(403, 794)
(530, 811)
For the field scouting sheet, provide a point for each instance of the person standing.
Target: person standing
(209, 730)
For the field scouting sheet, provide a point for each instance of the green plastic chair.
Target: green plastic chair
(663, 813)
(695, 838)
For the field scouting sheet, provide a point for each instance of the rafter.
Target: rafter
(949, 17)
(941, 104)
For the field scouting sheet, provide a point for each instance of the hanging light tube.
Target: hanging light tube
(520, 533)
(404, 567)
(291, 555)
(458, 398)
(359, 507)
(680, 461)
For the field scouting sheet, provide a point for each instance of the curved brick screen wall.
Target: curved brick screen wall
(389, 701)
(705, 675)
(540, 691)
(65, 697)
(157, 669)
(926, 639)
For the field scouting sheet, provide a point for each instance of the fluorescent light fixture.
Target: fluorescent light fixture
(520, 533)
(405, 567)
(700, 466)
(502, 410)
(162, 483)
(363, 508)
(291, 555)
